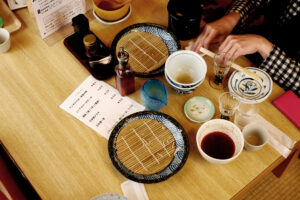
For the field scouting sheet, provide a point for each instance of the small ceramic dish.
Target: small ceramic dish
(4, 40)
(103, 21)
(199, 109)
(249, 90)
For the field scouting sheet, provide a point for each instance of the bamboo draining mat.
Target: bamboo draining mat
(147, 51)
(145, 146)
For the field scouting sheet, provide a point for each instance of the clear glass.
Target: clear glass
(220, 71)
(245, 114)
(154, 95)
(228, 104)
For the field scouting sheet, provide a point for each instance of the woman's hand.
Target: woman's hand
(216, 31)
(238, 45)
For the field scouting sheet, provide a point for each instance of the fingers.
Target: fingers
(224, 47)
(205, 38)
(199, 41)
(229, 56)
(230, 49)
(209, 38)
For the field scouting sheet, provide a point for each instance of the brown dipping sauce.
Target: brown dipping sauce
(254, 138)
(218, 145)
(184, 78)
(106, 5)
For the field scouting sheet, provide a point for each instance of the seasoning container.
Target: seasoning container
(92, 50)
(81, 25)
(124, 75)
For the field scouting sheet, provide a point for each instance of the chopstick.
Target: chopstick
(233, 65)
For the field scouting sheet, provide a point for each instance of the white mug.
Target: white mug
(260, 134)
(4, 40)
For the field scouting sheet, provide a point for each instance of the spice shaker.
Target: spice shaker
(124, 75)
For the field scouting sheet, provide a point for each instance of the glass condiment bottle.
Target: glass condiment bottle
(124, 75)
(91, 47)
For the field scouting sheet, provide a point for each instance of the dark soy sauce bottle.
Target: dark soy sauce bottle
(124, 75)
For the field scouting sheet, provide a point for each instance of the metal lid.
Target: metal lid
(89, 39)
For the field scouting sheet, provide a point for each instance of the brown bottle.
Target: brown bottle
(91, 47)
(124, 75)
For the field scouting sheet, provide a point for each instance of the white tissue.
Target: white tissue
(134, 191)
(277, 139)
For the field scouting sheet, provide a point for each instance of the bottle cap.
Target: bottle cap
(89, 40)
(123, 55)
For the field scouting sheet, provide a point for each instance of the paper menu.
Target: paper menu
(16, 4)
(99, 105)
(51, 15)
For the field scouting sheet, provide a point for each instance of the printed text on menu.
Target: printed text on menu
(99, 105)
(51, 15)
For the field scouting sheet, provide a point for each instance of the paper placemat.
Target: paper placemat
(99, 105)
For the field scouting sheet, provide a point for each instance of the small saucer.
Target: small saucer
(112, 22)
(199, 109)
(249, 90)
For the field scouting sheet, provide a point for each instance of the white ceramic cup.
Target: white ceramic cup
(185, 62)
(255, 136)
(4, 40)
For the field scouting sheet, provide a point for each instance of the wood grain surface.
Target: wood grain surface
(65, 159)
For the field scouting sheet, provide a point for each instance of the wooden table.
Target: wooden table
(65, 159)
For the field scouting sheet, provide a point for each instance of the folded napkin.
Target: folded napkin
(277, 139)
(289, 105)
(134, 191)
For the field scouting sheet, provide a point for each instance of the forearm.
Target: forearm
(264, 47)
(231, 19)
(245, 7)
(284, 70)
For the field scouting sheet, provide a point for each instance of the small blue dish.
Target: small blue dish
(154, 95)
